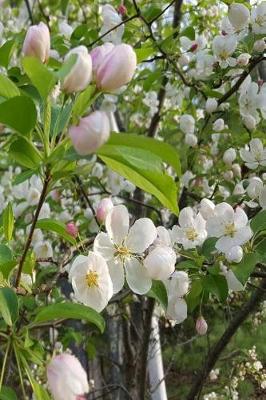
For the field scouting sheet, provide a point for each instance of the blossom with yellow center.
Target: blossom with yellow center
(92, 278)
(191, 234)
(230, 229)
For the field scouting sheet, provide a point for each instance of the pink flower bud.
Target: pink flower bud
(72, 229)
(80, 75)
(194, 47)
(91, 133)
(117, 68)
(201, 326)
(37, 42)
(67, 378)
(103, 209)
(122, 10)
(98, 54)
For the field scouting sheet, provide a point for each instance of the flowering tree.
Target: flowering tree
(132, 189)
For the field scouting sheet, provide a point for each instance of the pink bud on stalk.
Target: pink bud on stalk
(117, 68)
(72, 229)
(122, 9)
(67, 379)
(201, 326)
(103, 209)
(91, 133)
(37, 42)
(80, 75)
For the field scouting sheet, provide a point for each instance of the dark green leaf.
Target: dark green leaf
(6, 52)
(8, 305)
(258, 223)
(243, 269)
(25, 153)
(58, 227)
(159, 293)
(217, 285)
(6, 393)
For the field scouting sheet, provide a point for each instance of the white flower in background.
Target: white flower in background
(204, 65)
(249, 122)
(192, 46)
(151, 101)
(191, 139)
(187, 124)
(191, 231)
(229, 156)
(243, 59)
(122, 247)
(160, 262)
(91, 282)
(255, 156)
(249, 101)
(254, 187)
(33, 196)
(226, 26)
(65, 29)
(211, 105)
(218, 125)
(258, 18)
(239, 188)
(110, 19)
(230, 226)
(45, 211)
(238, 16)
(259, 45)
(21, 190)
(223, 47)
(235, 254)
(233, 283)
(206, 208)
(67, 380)
(43, 250)
(262, 198)
(177, 287)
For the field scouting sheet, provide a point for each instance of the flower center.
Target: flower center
(224, 55)
(191, 234)
(257, 156)
(92, 278)
(122, 252)
(230, 229)
(260, 20)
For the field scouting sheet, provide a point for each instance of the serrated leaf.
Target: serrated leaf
(258, 223)
(69, 310)
(8, 305)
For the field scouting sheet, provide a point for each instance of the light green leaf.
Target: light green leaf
(159, 293)
(58, 227)
(8, 305)
(7, 87)
(23, 152)
(6, 393)
(165, 151)
(246, 266)
(69, 311)
(143, 169)
(144, 53)
(258, 223)
(39, 74)
(6, 52)
(8, 222)
(18, 113)
(83, 101)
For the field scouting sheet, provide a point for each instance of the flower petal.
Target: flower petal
(104, 246)
(117, 223)
(117, 274)
(177, 309)
(141, 235)
(137, 277)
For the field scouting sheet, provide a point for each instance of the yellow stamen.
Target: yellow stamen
(230, 229)
(92, 278)
(191, 234)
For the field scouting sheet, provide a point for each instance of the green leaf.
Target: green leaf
(8, 305)
(144, 53)
(18, 113)
(193, 298)
(7, 263)
(69, 311)
(22, 177)
(83, 101)
(23, 152)
(39, 391)
(39, 74)
(159, 293)
(8, 222)
(246, 266)
(6, 393)
(165, 151)
(67, 66)
(188, 264)
(217, 285)
(208, 247)
(7, 87)
(143, 169)
(58, 227)
(258, 223)
(6, 52)
(189, 32)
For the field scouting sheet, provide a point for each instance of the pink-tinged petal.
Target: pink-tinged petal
(117, 224)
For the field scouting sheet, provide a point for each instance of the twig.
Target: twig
(34, 222)
(29, 11)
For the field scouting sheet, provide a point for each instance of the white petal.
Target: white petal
(178, 284)
(160, 262)
(246, 156)
(141, 235)
(137, 277)
(117, 274)
(232, 282)
(243, 235)
(177, 309)
(256, 146)
(186, 217)
(240, 218)
(225, 243)
(77, 263)
(117, 223)
(104, 246)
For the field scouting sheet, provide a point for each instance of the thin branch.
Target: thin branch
(29, 11)
(34, 222)
(256, 298)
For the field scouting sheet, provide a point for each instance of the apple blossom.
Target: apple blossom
(262, 198)
(259, 45)
(191, 231)
(229, 226)
(122, 248)
(177, 287)
(91, 133)
(249, 122)
(235, 254)
(254, 187)
(211, 105)
(206, 208)
(229, 156)
(238, 16)
(117, 68)
(236, 170)
(110, 20)
(243, 59)
(187, 124)
(191, 139)
(67, 380)
(91, 281)
(258, 18)
(233, 283)
(37, 42)
(160, 262)
(223, 47)
(103, 208)
(201, 326)
(218, 125)
(98, 54)
(80, 75)
(255, 156)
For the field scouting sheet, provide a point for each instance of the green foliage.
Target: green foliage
(25, 153)
(8, 305)
(158, 292)
(247, 265)
(13, 112)
(7, 87)
(39, 74)
(8, 222)
(57, 227)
